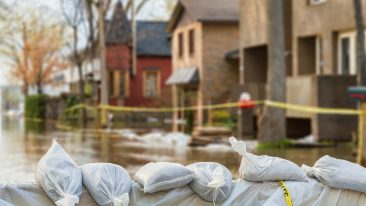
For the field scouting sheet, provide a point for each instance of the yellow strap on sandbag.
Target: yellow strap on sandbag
(286, 193)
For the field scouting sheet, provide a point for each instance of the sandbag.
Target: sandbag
(3, 203)
(212, 181)
(265, 168)
(337, 173)
(159, 176)
(59, 176)
(108, 184)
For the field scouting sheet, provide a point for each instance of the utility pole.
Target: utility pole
(104, 73)
(272, 122)
(133, 25)
(360, 39)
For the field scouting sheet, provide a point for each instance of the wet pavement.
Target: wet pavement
(20, 150)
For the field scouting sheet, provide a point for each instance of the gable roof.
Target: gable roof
(152, 37)
(118, 29)
(206, 11)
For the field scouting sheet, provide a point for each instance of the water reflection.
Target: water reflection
(20, 150)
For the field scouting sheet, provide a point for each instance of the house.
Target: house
(146, 86)
(320, 61)
(203, 33)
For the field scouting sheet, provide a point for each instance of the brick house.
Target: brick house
(203, 32)
(146, 87)
(320, 58)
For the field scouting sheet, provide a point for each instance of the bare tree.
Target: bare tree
(272, 123)
(360, 50)
(74, 11)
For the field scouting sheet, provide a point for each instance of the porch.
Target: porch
(317, 91)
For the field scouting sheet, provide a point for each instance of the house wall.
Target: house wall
(219, 75)
(185, 24)
(325, 20)
(253, 32)
(136, 97)
(322, 23)
(118, 57)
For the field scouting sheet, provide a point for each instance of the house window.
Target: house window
(347, 53)
(180, 44)
(123, 84)
(151, 83)
(118, 83)
(111, 83)
(191, 42)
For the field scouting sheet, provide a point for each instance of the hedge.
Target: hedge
(35, 106)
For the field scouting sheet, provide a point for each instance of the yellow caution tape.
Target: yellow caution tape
(295, 107)
(286, 193)
(309, 109)
(282, 105)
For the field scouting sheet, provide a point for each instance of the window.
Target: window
(151, 83)
(180, 44)
(123, 84)
(111, 83)
(191, 42)
(347, 53)
(118, 84)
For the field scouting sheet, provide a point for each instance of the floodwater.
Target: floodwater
(20, 150)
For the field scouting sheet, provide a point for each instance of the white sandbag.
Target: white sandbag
(337, 173)
(59, 176)
(108, 184)
(212, 181)
(265, 168)
(158, 176)
(3, 203)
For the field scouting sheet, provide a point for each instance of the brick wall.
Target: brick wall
(118, 57)
(219, 74)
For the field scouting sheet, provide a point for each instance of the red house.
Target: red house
(147, 86)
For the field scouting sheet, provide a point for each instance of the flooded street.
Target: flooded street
(20, 151)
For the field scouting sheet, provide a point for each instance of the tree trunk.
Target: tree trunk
(92, 42)
(79, 65)
(25, 88)
(360, 49)
(272, 122)
(39, 88)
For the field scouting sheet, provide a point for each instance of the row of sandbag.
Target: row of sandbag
(336, 173)
(110, 184)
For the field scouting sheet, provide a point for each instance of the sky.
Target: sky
(153, 9)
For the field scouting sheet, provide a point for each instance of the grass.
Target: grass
(274, 145)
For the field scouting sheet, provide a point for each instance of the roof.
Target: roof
(118, 29)
(152, 37)
(206, 11)
(232, 54)
(184, 76)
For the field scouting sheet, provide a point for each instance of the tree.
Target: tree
(360, 50)
(272, 122)
(34, 55)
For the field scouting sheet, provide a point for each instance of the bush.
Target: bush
(35, 106)
(223, 118)
(70, 101)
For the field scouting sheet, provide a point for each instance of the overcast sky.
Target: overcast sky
(152, 10)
